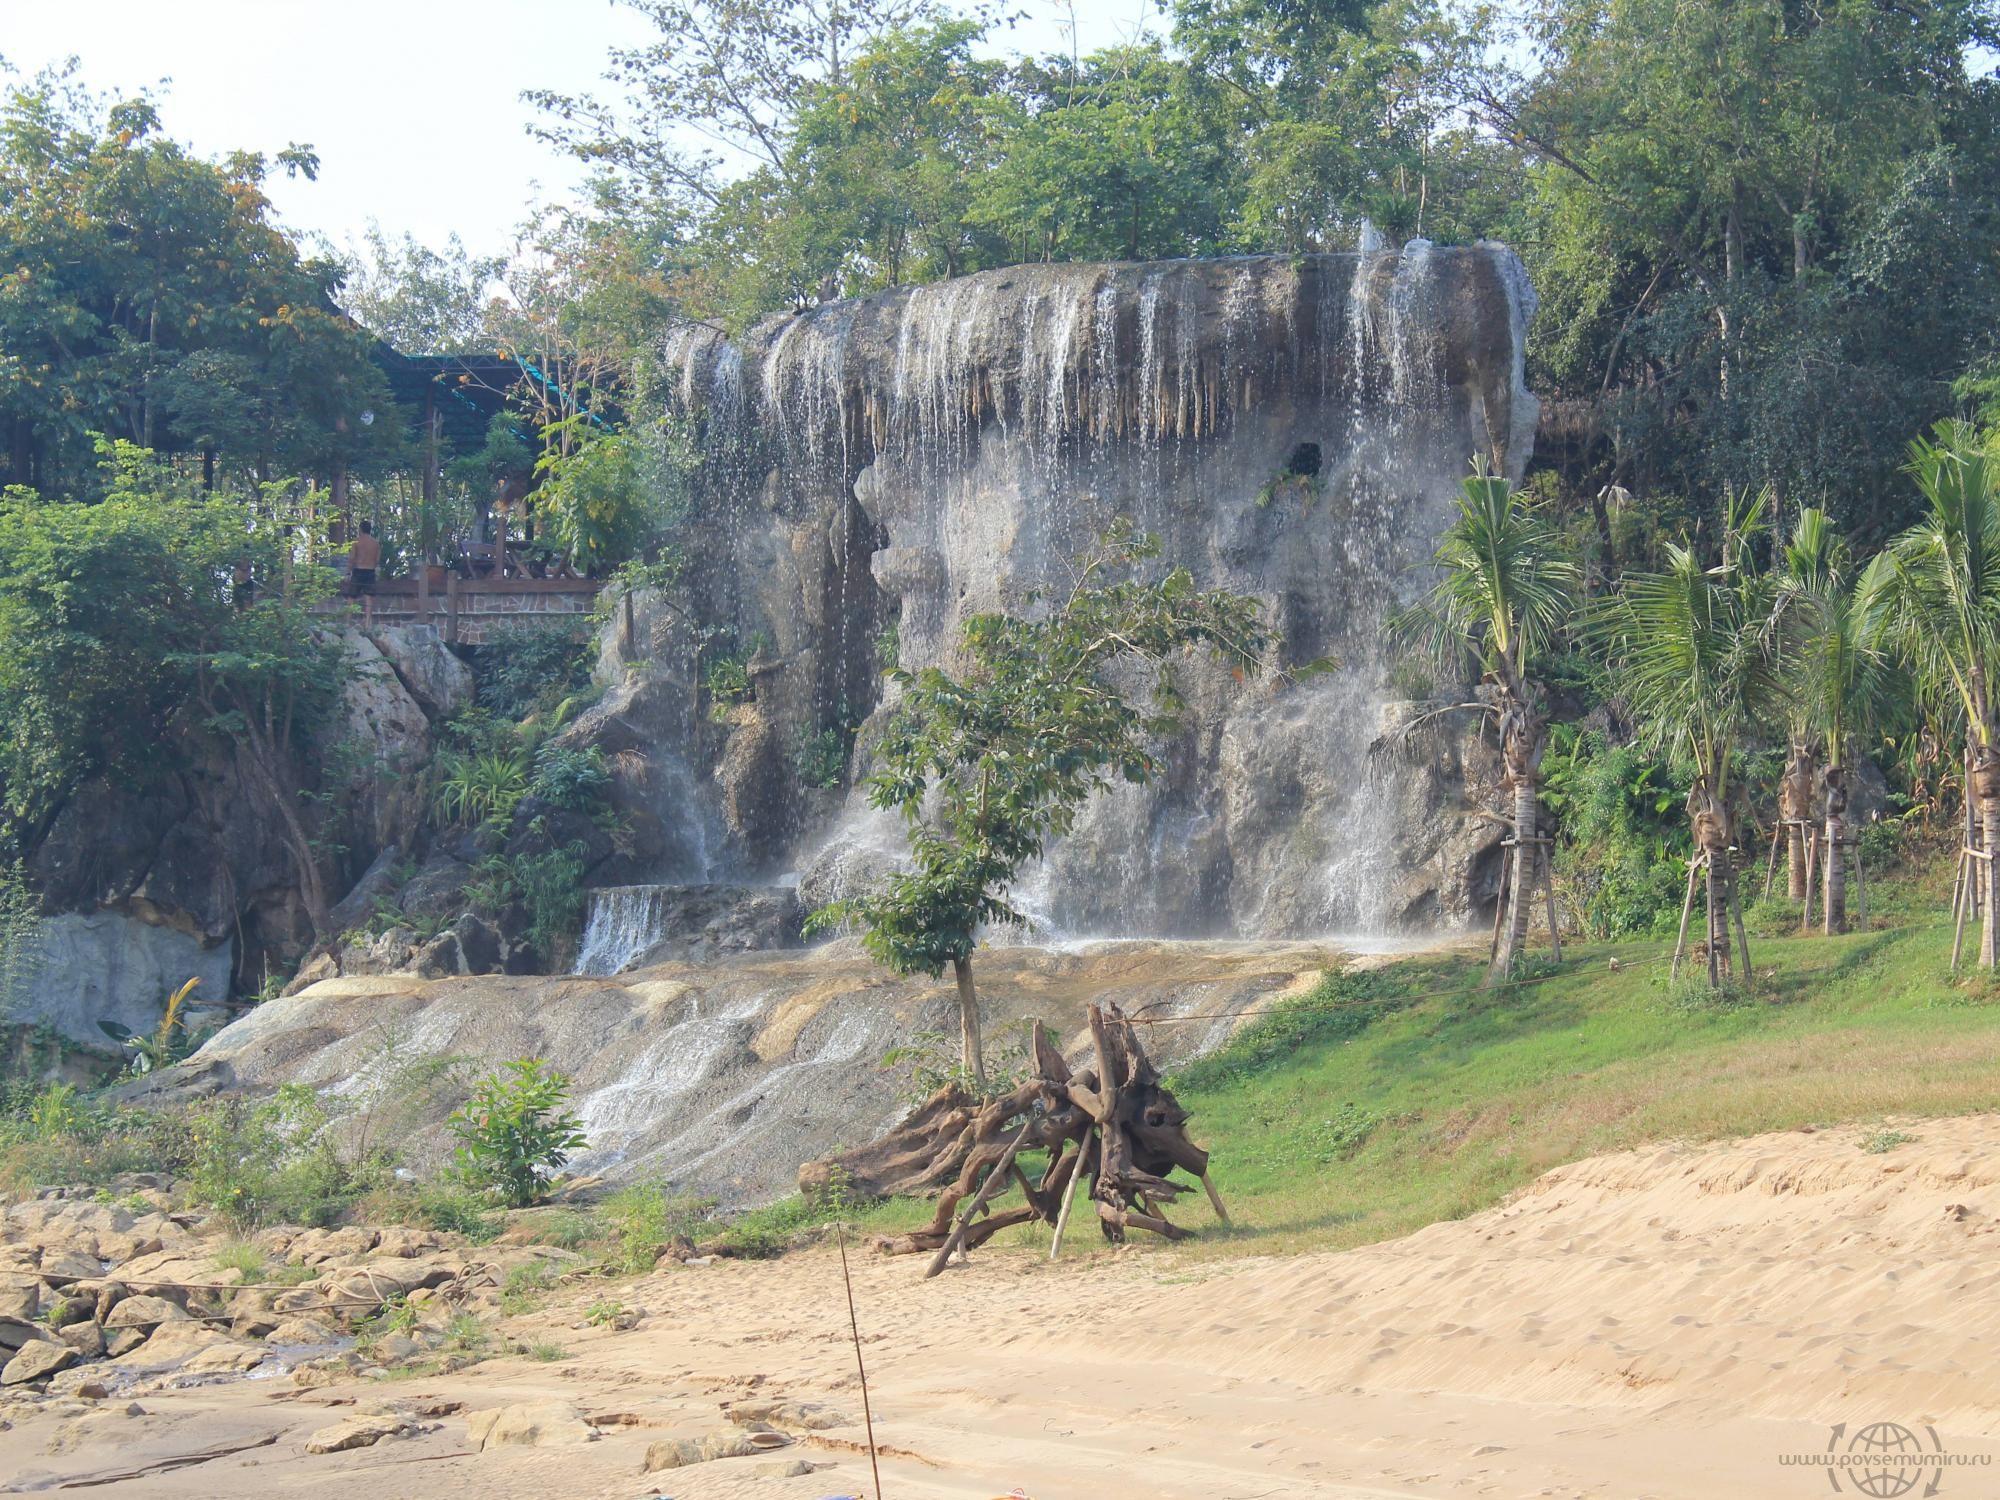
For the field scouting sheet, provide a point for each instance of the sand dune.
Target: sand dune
(1663, 1323)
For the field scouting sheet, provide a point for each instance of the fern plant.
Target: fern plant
(482, 786)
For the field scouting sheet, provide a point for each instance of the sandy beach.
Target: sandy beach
(1651, 1325)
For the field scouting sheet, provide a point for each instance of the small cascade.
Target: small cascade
(624, 921)
(631, 925)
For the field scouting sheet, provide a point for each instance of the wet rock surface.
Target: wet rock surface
(721, 1077)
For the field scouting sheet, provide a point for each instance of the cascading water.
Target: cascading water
(1292, 427)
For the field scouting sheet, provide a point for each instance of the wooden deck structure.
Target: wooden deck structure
(469, 611)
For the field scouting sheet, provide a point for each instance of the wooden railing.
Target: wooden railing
(470, 610)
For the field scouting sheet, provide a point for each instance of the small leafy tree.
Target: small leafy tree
(1506, 590)
(1693, 647)
(516, 1131)
(986, 768)
(1938, 589)
(1837, 672)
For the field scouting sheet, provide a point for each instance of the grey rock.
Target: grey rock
(87, 1339)
(440, 682)
(631, 927)
(376, 885)
(35, 1360)
(108, 966)
(437, 889)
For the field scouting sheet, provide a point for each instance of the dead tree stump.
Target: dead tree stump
(1117, 1126)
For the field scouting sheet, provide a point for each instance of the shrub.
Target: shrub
(530, 668)
(241, 1257)
(568, 778)
(821, 757)
(515, 1132)
(272, 1161)
(727, 679)
(481, 786)
(441, 1208)
(645, 1218)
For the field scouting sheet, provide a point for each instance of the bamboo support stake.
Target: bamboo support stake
(1507, 856)
(1771, 866)
(1742, 937)
(1860, 884)
(994, 1178)
(1215, 1200)
(1069, 1200)
(1548, 868)
(1687, 912)
(1812, 867)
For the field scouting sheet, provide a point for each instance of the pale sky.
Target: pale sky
(413, 105)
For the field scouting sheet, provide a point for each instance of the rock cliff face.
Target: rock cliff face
(875, 472)
(144, 889)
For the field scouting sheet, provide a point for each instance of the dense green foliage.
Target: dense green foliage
(515, 1132)
(150, 297)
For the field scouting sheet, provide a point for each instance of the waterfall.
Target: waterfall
(1292, 427)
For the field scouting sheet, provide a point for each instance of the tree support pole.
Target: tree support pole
(1069, 1198)
(994, 1178)
(1742, 937)
(1507, 856)
(1548, 868)
(1687, 912)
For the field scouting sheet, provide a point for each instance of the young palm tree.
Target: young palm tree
(1937, 588)
(1507, 586)
(1695, 652)
(1837, 673)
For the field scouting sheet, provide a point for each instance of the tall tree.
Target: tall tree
(150, 297)
(986, 768)
(1938, 588)
(125, 648)
(1754, 224)
(418, 300)
(1507, 588)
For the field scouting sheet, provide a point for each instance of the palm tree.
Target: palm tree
(1694, 649)
(1937, 588)
(1837, 672)
(1507, 586)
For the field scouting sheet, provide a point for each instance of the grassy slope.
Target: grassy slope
(1394, 1098)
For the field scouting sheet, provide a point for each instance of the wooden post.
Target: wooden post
(1069, 1197)
(1742, 937)
(1861, 884)
(451, 606)
(993, 1180)
(1687, 911)
(1507, 855)
(1961, 900)
(1771, 867)
(1812, 865)
(423, 591)
(1547, 864)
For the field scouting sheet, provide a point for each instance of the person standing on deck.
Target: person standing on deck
(363, 558)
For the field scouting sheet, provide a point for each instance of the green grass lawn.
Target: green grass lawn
(1394, 1097)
